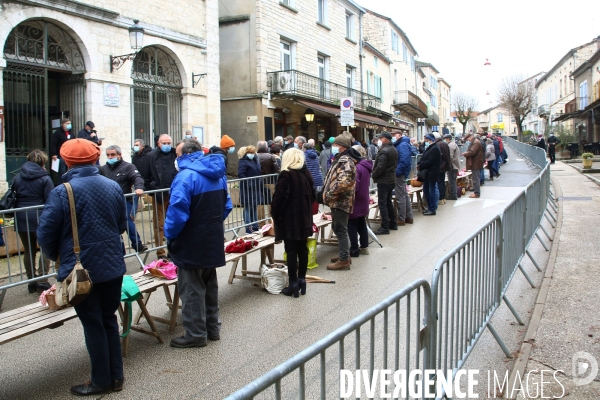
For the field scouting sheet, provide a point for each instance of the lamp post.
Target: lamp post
(136, 39)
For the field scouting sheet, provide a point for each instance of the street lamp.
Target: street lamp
(309, 114)
(136, 39)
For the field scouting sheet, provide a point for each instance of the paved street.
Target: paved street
(261, 330)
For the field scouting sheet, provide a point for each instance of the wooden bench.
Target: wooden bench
(412, 193)
(32, 318)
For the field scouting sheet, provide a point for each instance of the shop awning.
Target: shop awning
(566, 116)
(363, 120)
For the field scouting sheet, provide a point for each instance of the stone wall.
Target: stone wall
(192, 42)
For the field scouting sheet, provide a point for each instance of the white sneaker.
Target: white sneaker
(364, 251)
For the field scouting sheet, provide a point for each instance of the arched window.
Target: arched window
(42, 83)
(156, 95)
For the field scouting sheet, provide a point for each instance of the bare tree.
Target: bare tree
(464, 107)
(518, 96)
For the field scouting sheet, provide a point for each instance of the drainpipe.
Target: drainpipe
(360, 48)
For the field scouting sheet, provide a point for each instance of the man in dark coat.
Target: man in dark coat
(126, 175)
(89, 133)
(474, 162)
(384, 175)
(101, 219)
(59, 137)
(552, 142)
(268, 163)
(194, 228)
(162, 169)
(289, 143)
(431, 161)
(142, 160)
(445, 166)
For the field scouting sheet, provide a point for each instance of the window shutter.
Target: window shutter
(368, 82)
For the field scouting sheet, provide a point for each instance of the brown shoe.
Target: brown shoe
(335, 259)
(339, 265)
(474, 196)
(400, 223)
(408, 221)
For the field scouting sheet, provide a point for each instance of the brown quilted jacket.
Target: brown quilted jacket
(338, 190)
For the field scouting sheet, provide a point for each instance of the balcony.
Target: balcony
(544, 111)
(410, 104)
(432, 117)
(296, 83)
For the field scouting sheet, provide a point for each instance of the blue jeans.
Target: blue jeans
(482, 176)
(432, 195)
(496, 164)
(134, 237)
(250, 216)
(101, 331)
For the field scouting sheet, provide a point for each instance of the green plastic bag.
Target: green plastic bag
(130, 292)
(311, 244)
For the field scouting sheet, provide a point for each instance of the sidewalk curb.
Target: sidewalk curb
(520, 364)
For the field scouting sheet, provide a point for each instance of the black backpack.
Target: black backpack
(9, 199)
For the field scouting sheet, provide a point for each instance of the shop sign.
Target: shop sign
(111, 95)
(252, 119)
(347, 117)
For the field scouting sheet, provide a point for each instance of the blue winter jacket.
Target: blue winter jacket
(311, 159)
(198, 206)
(101, 219)
(405, 152)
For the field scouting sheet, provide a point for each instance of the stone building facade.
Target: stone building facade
(444, 103)
(56, 63)
(556, 89)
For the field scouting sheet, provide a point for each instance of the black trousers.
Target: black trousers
(297, 259)
(358, 227)
(386, 207)
(552, 153)
(441, 183)
(101, 331)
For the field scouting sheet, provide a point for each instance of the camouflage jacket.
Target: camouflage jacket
(338, 191)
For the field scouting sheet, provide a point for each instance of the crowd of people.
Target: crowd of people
(336, 173)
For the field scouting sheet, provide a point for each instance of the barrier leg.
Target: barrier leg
(2, 294)
(551, 216)
(513, 311)
(552, 224)
(537, 266)
(500, 342)
(552, 205)
(546, 233)
(537, 235)
(526, 276)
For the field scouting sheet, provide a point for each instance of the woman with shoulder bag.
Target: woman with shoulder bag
(291, 210)
(33, 186)
(101, 219)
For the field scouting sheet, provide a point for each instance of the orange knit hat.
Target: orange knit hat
(226, 142)
(79, 152)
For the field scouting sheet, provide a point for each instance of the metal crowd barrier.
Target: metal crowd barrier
(399, 343)
(468, 285)
(26, 251)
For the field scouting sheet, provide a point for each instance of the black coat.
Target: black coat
(33, 186)
(162, 168)
(125, 174)
(252, 191)
(83, 134)
(56, 141)
(431, 161)
(384, 166)
(291, 208)
(142, 162)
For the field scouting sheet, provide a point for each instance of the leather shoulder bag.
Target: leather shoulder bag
(78, 285)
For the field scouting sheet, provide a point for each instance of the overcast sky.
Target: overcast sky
(517, 36)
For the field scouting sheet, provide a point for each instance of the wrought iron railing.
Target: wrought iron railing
(298, 83)
(408, 97)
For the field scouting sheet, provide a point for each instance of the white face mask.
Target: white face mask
(379, 144)
(176, 165)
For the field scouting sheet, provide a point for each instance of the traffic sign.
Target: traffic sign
(346, 103)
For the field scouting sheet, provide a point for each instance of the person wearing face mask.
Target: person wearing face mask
(299, 142)
(288, 143)
(163, 171)
(430, 161)
(405, 153)
(141, 159)
(226, 147)
(251, 190)
(445, 166)
(59, 137)
(474, 159)
(384, 175)
(126, 175)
